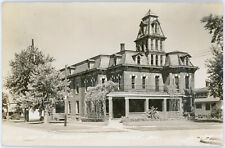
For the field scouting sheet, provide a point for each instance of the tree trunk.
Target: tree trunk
(26, 115)
(46, 116)
(7, 113)
(104, 108)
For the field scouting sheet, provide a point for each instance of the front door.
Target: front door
(118, 107)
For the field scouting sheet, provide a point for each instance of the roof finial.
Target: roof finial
(148, 13)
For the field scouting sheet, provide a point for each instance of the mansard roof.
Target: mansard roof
(178, 58)
(181, 53)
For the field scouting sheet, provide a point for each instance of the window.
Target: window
(156, 28)
(77, 89)
(103, 80)
(69, 105)
(161, 45)
(119, 79)
(142, 47)
(152, 58)
(86, 86)
(146, 44)
(138, 60)
(187, 82)
(151, 44)
(156, 60)
(156, 83)
(136, 105)
(115, 60)
(133, 82)
(198, 105)
(77, 107)
(161, 60)
(156, 44)
(207, 106)
(153, 26)
(177, 83)
(59, 107)
(186, 61)
(143, 82)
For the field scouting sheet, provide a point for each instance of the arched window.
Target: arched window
(177, 83)
(138, 60)
(187, 82)
(143, 82)
(133, 82)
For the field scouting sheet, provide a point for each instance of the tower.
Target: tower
(150, 35)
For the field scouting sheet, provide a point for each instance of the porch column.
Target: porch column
(146, 104)
(126, 107)
(191, 103)
(164, 105)
(165, 108)
(181, 106)
(110, 108)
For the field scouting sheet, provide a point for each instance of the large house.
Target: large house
(148, 76)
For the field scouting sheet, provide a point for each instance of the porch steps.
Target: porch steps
(115, 123)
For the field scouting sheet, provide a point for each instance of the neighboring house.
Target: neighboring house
(204, 103)
(147, 77)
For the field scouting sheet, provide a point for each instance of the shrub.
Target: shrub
(152, 113)
(217, 113)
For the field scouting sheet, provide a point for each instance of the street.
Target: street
(24, 134)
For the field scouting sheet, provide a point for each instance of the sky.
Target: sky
(75, 31)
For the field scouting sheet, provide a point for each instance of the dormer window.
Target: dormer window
(186, 60)
(103, 80)
(156, 28)
(161, 45)
(138, 60)
(115, 60)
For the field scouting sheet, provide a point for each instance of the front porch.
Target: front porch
(121, 104)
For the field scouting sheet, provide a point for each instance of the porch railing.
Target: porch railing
(141, 88)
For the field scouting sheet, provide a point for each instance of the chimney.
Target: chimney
(122, 46)
(32, 44)
(207, 83)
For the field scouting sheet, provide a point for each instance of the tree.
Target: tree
(46, 88)
(215, 71)
(22, 67)
(214, 24)
(96, 99)
(215, 65)
(5, 101)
